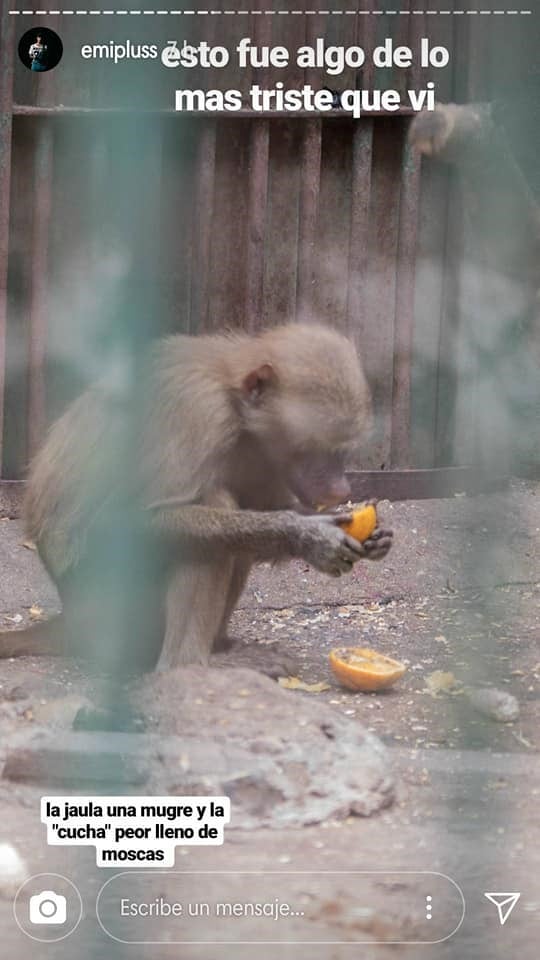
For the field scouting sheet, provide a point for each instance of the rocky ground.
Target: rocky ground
(452, 789)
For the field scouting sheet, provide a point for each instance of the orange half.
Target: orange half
(360, 669)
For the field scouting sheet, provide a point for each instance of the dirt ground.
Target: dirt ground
(459, 593)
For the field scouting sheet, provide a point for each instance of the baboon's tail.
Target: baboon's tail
(38, 639)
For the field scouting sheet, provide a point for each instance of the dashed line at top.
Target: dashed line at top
(272, 13)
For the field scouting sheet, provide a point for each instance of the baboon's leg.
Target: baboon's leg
(196, 603)
(240, 574)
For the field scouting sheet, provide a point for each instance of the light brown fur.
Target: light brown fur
(233, 436)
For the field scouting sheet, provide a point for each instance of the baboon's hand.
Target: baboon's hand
(327, 547)
(378, 544)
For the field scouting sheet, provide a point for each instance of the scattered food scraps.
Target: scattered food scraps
(294, 683)
(37, 613)
(441, 681)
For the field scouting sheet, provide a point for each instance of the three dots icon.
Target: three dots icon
(429, 905)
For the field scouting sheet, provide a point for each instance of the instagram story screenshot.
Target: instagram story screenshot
(270, 480)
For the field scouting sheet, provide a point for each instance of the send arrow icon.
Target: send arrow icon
(505, 903)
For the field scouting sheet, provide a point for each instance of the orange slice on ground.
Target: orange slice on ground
(363, 523)
(360, 669)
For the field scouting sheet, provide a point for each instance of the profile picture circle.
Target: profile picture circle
(40, 49)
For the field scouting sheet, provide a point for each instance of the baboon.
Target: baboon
(235, 440)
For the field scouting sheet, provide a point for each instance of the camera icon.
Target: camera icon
(47, 907)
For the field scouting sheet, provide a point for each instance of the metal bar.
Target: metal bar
(366, 33)
(478, 61)
(401, 33)
(47, 93)
(315, 26)
(423, 484)
(310, 183)
(426, 484)
(7, 46)
(310, 174)
(462, 53)
(256, 230)
(259, 146)
(202, 227)
(359, 225)
(25, 110)
(404, 328)
(262, 36)
(417, 30)
(43, 166)
(362, 153)
(449, 325)
(379, 331)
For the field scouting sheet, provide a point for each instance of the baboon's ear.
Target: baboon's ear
(257, 381)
